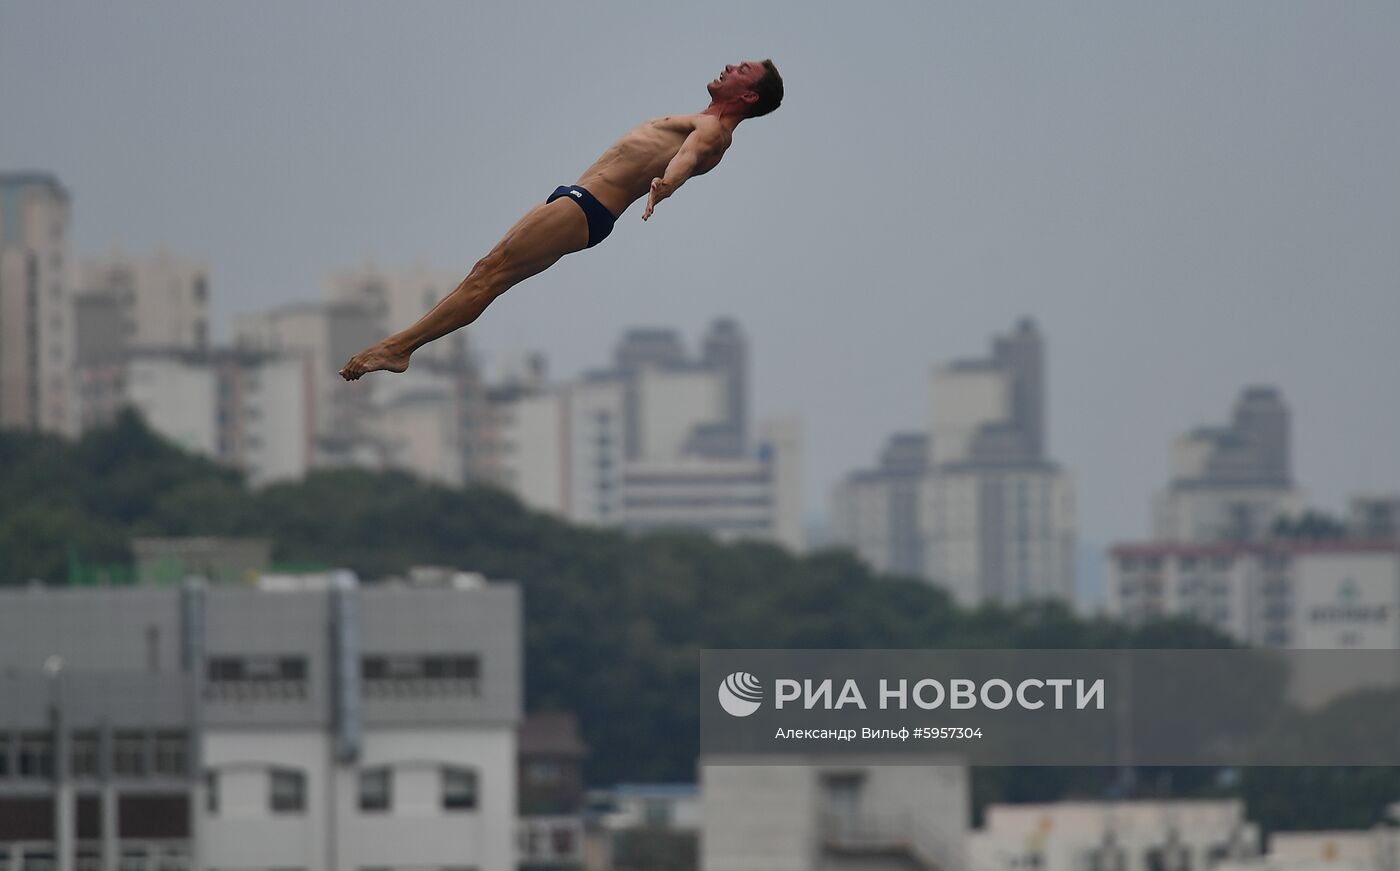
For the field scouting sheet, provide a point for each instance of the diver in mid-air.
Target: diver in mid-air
(653, 159)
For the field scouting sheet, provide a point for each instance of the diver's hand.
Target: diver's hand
(660, 190)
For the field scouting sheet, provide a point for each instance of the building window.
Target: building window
(288, 792)
(563, 841)
(35, 754)
(211, 792)
(376, 785)
(257, 677)
(172, 757)
(409, 675)
(4, 757)
(459, 789)
(656, 813)
(842, 798)
(129, 754)
(85, 754)
(544, 772)
(37, 859)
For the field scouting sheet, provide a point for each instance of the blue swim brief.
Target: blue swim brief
(600, 220)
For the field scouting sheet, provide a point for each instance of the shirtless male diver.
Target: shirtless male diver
(655, 158)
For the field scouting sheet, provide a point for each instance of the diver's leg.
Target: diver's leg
(546, 233)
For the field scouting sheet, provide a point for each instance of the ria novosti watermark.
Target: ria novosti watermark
(740, 694)
(1058, 707)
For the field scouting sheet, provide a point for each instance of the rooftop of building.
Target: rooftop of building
(32, 177)
(1151, 549)
(972, 364)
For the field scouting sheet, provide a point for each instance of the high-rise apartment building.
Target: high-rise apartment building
(394, 300)
(323, 336)
(1232, 482)
(877, 510)
(244, 408)
(429, 420)
(973, 504)
(999, 532)
(36, 308)
(658, 441)
(157, 302)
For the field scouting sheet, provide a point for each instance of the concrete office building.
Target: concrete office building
(1113, 836)
(832, 814)
(973, 504)
(1306, 595)
(95, 769)
(1231, 483)
(306, 723)
(155, 302)
(36, 307)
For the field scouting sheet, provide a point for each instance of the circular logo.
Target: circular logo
(740, 694)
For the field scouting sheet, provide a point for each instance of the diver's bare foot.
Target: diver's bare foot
(377, 357)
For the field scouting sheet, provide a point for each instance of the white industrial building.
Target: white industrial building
(306, 723)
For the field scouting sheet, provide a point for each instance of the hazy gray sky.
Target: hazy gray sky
(1187, 197)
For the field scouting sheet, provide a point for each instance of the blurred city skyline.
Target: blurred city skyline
(1186, 200)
